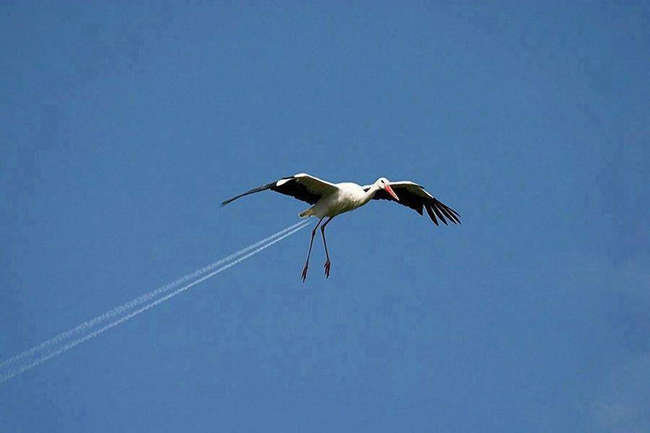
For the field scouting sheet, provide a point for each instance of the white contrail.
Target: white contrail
(50, 354)
(136, 302)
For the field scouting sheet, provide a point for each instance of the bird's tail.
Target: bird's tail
(306, 213)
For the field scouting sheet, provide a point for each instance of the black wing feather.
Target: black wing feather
(410, 200)
(296, 189)
(432, 215)
(288, 186)
(434, 207)
(252, 191)
(449, 213)
(440, 215)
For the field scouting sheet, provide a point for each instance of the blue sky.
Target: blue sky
(124, 127)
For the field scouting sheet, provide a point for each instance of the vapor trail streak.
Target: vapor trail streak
(4, 376)
(136, 302)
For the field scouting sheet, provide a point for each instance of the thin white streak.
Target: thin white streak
(21, 369)
(134, 303)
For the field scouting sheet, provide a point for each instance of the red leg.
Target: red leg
(328, 264)
(311, 243)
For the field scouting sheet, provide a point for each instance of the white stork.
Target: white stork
(332, 199)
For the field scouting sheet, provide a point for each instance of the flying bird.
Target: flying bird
(331, 199)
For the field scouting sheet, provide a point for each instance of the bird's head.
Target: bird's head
(384, 184)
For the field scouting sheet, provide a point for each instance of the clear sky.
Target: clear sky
(123, 127)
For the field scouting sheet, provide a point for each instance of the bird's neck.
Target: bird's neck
(370, 194)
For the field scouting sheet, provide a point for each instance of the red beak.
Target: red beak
(391, 192)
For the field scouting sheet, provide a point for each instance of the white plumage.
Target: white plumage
(329, 200)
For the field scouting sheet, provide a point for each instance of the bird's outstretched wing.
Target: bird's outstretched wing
(301, 186)
(414, 196)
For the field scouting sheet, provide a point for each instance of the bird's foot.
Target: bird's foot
(304, 272)
(328, 265)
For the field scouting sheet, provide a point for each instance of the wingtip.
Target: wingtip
(432, 215)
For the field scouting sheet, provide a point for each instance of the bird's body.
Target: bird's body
(347, 196)
(329, 200)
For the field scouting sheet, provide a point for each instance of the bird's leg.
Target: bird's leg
(311, 243)
(327, 254)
